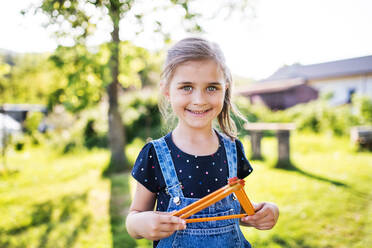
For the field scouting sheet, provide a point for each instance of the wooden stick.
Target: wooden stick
(235, 185)
(192, 205)
(203, 204)
(245, 202)
(225, 217)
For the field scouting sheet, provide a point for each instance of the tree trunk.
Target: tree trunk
(116, 128)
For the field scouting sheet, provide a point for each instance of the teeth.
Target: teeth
(198, 112)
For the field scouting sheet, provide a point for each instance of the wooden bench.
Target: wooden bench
(362, 136)
(282, 133)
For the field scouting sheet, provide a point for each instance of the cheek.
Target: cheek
(176, 102)
(220, 98)
(221, 101)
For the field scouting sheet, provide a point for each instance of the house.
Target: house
(298, 83)
(280, 94)
(19, 111)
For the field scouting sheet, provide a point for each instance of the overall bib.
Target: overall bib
(221, 233)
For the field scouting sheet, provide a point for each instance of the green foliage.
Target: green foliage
(363, 108)
(71, 17)
(27, 78)
(88, 128)
(138, 67)
(4, 75)
(141, 116)
(32, 135)
(92, 138)
(33, 121)
(316, 116)
(86, 73)
(85, 130)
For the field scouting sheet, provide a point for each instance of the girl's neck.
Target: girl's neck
(199, 142)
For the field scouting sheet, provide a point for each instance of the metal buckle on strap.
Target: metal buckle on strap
(177, 200)
(167, 189)
(234, 197)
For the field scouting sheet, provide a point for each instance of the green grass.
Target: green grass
(325, 198)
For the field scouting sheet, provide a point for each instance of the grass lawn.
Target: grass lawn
(325, 199)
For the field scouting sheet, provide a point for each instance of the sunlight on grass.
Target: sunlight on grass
(64, 201)
(325, 201)
(55, 201)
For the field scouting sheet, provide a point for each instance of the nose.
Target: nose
(199, 97)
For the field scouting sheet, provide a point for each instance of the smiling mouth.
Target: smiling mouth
(198, 112)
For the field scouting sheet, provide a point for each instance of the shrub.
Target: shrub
(363, 109)
(92, 138)
(141, 116)
(315, 116)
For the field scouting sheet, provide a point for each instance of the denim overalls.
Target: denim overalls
(221, 233)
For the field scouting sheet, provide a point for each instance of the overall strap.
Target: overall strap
(167, 168)
(231, 154)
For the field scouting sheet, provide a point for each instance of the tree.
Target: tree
(77, 19)
(27, 78)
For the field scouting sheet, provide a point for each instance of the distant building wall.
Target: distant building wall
(344, 87)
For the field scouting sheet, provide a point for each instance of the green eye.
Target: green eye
(187, 88)
(211, 88)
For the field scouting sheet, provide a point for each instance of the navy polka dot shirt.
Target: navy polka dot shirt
(199, 175)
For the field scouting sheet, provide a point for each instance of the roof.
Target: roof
(23, 107)
(273, 86)
(339, 68)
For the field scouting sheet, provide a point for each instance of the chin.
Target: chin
(196, 125)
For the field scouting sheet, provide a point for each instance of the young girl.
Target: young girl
(194, 159)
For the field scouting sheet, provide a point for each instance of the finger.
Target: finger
(171, 219)
(256, 217)
(171, 227)
(265, 226)
(259, 206)
(267, 221)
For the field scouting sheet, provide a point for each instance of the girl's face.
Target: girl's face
(196, 93)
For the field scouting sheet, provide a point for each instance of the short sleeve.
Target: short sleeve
(145, 168)
(244, 167)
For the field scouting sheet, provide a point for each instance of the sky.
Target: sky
(278, 33)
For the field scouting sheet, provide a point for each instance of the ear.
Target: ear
(164, 90)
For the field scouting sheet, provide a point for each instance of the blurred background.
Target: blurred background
(78, 100)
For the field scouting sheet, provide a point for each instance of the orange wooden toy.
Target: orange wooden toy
(235, 185)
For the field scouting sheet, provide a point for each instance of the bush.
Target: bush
(363, 109)
(315, 116)
(141, 115)
(92, 138)
(69, 132)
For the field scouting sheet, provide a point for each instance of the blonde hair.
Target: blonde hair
(190, 49)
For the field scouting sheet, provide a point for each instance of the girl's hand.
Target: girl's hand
(155, 225)
(265, 217)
